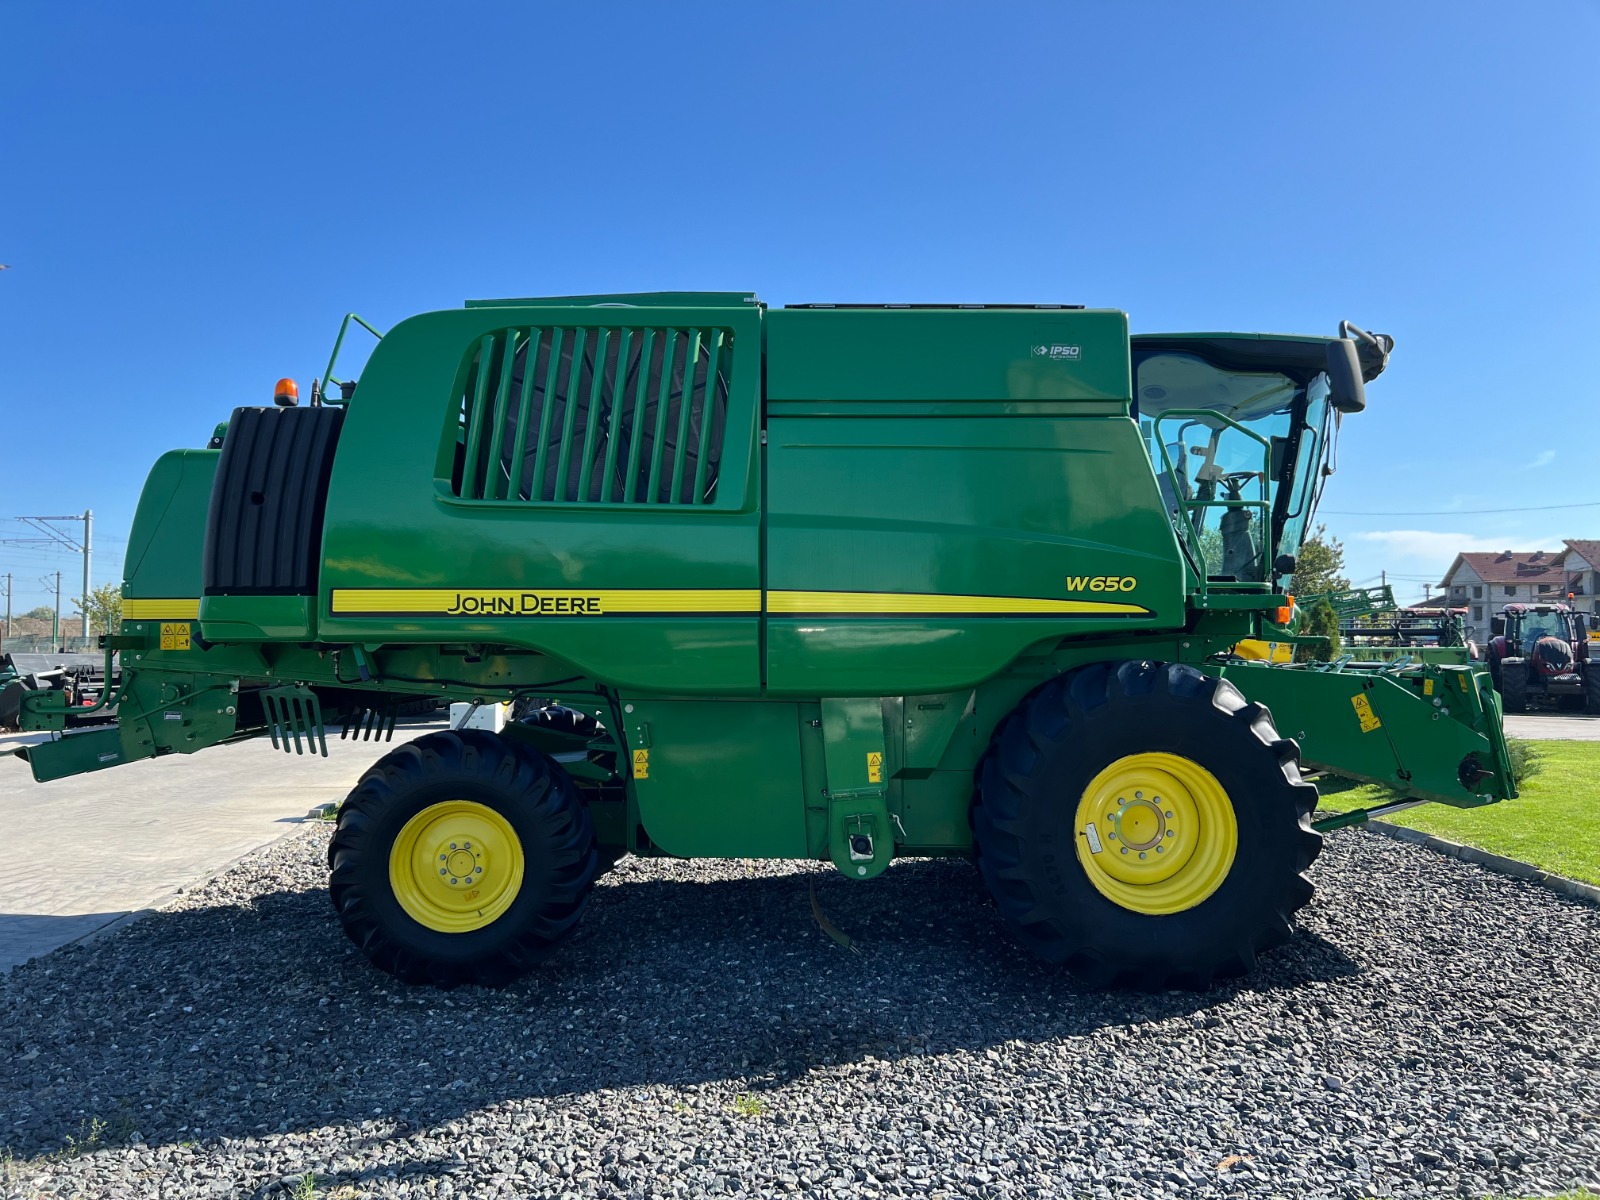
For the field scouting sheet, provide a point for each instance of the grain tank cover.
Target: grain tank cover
(948, 354)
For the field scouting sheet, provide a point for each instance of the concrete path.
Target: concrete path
(1557, 726)
(87, 851)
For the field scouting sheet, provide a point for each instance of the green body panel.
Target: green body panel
(723, 779)
(169, 527)
(392, 522)
(990, 355)
(859, 834)
(258, 618)
(1018, 507)
(918, 518)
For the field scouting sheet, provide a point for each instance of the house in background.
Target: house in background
(1581, 561)
(1484, 583)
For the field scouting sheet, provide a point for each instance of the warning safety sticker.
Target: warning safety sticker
(1364, 714)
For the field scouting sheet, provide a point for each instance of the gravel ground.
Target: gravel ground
(1432, 1032)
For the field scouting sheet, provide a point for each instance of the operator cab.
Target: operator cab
(1521, 627)
(1241, 430)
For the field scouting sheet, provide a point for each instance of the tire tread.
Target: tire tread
(1009, 784)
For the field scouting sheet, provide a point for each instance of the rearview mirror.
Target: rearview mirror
(1346, 391)
(1497, 626)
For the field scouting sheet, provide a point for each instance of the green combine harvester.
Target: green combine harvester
(836, 582)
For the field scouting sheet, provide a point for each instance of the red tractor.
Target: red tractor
(1542, 650)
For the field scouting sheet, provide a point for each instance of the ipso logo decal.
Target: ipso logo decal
(1058, 352)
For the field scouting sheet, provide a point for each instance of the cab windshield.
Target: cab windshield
(1536, 625)
(1238, 452)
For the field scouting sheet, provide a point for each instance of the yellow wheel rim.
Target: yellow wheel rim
(456, 866)
(1156, 833)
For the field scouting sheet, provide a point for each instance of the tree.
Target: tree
(1322, 621)
(105, 608)
(1319, 566)
(43, 613)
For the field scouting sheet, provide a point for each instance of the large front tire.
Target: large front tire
(1514, 687)
(1144, 824)
(461, 857)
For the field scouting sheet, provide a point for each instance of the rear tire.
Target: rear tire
(1514, 687)
(564, 720)
(531, 870)
(1591, 688)
(1056, 753)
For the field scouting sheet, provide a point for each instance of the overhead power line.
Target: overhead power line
(1454, 512)
(53, 538)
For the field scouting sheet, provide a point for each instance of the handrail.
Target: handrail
(338, 344)
(109, 696)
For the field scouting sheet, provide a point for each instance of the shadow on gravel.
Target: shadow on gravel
(23, 934)
(242, 1021)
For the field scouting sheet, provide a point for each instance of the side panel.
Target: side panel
(909, 555)
(161, 574)
(647, 596)
(948, 355)
(720, 779)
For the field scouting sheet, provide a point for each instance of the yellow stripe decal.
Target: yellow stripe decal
(168, 610)
(541, 602)
(545, 602)
(893, 603)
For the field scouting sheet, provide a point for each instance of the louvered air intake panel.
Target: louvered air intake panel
(264, 526)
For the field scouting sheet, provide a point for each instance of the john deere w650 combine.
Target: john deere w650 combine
(838, 582)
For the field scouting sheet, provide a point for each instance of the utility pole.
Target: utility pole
(55, 624)
(8, 603)
(88, 544)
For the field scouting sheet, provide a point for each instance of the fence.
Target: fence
(40, 643)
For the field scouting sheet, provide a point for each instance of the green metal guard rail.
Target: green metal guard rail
(338, 344)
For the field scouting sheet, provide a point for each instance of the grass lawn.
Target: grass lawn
(1554, 824)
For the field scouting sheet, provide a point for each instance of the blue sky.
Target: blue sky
(193, 194)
